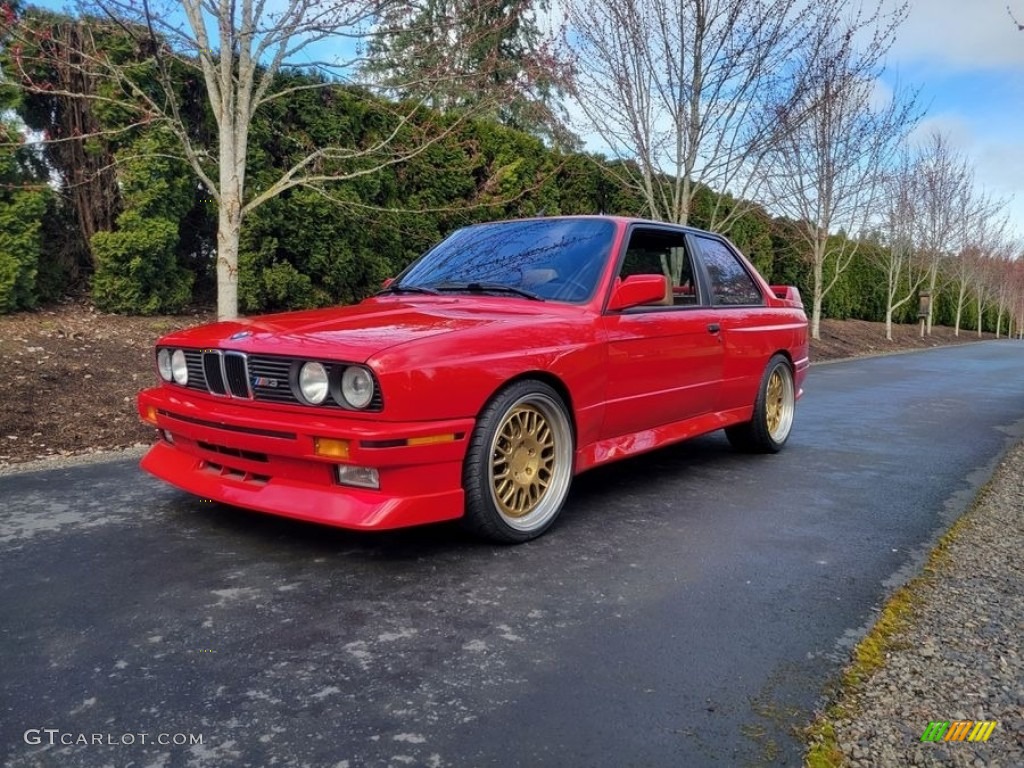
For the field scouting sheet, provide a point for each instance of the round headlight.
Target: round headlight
(357, 386)
(179, 368)
(163, 364)
(313, 383)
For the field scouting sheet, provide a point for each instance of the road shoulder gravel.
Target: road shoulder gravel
(949, 648)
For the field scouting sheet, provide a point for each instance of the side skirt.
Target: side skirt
(614, 448)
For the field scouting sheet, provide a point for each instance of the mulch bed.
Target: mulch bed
(857, 338)
(71, 376)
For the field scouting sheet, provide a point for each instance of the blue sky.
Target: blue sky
(968, 59)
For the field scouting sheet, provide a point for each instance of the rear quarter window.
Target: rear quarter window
(731, 284)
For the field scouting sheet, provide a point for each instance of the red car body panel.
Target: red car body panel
(633, 382)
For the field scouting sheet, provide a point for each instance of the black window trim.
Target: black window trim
(693, 237)
(703, 285)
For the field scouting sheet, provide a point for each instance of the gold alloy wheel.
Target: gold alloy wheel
(773, 401)
(529, 462)
(779, 403)
(524, 460)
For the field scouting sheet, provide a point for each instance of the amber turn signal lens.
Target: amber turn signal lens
(330, 448)
(151, 414)
(430, 440)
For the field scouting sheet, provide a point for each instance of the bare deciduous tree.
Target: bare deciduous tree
(1014, 294)
(983, 236)
(836, 146)
(1006, 287)
(943, 175)
(686, 92)
(905, 271)
(982, 286)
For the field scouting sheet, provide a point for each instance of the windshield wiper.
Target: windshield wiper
(479, 287)
(396, 288)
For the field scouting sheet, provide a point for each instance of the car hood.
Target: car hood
(352, 333)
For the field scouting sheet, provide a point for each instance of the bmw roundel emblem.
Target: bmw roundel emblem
(240, 335)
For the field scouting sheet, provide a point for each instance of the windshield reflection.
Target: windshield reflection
(551, 259)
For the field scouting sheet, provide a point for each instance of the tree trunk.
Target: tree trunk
(228, 231)
(816, 300)
(233, 142)
(892, 286)
(932, 280)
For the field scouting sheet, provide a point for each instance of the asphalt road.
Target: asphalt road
(687, 610)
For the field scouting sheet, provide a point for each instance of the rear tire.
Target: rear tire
(774, 408)
(519, 464)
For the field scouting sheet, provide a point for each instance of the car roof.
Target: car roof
(623, 220)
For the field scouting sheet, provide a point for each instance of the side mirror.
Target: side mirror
(636, 290)
(387, 282)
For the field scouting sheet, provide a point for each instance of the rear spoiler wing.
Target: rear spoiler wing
(789, 294)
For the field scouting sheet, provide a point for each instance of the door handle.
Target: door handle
(714, 327)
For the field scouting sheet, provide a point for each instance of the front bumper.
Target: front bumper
(263, 459)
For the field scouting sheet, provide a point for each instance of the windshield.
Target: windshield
(555, 259)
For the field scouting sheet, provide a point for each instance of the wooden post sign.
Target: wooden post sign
(924, 305)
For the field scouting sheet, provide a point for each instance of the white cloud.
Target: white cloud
(968, 58)
(961, 34)
(952, 125)
(1000, 167)
(881, 94)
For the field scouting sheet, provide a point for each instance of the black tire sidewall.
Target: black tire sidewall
(760, 433)
(481, 516)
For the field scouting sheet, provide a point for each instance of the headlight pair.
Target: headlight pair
(348, 385)
(172, 366)
(355, 388)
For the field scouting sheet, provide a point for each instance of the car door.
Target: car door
(738, 303)
(664, 359)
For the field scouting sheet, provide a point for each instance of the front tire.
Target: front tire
(519, 464)
(774, 408)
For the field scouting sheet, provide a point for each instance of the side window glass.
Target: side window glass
(658, 252)
(731, 285)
